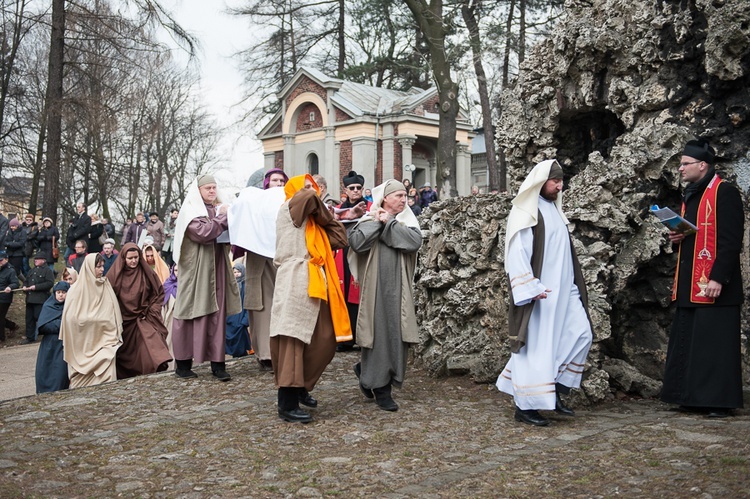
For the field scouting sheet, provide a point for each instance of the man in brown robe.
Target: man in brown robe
(140, 295)
(208, 291)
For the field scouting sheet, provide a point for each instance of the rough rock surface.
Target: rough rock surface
(613, 94)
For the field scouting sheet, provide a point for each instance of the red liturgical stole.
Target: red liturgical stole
(704, 251)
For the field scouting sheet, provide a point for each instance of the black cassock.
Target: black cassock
(703, 367)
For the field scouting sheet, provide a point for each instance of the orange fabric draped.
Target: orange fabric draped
(322, 266)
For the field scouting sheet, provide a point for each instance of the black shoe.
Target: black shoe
(365, 391)
(561, 408)
(343, 347)
(384, 400)
(306, 399)
(295, 416)
(265, 364)
(26, 341)
(185, 374)
(531, 416)
(719, 413)
(184, 369)
(387, 404)
(690, 409)
(219, 370)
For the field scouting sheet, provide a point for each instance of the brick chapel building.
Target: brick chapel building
(331, 126)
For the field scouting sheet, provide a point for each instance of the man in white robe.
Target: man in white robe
(550, 330)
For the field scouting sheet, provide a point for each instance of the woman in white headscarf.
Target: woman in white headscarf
(91, 328)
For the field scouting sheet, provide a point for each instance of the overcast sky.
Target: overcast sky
(220, 36)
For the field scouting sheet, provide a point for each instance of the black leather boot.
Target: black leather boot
(219, 370)
(561, 408)
(306, 399)
(383, 398)
(184, 369)
(289, 406)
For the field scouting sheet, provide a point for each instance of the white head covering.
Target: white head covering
(192, 207)
(526, 204)
(406, 217)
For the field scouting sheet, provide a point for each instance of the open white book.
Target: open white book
(673, 221)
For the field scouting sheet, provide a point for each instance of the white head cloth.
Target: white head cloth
(192, 207)
(525, 210)
(406, 217)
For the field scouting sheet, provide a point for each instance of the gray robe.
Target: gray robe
(388, 279)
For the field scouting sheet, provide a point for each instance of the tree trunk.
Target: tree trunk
(469, 12)
(506, 55)
(342, 39)
(430, 22)
(54, 110)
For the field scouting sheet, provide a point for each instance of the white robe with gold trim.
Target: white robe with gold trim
(559, 333)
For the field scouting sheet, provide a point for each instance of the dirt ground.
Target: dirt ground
(159, 436)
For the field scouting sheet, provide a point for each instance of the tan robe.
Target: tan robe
(91, 328)
(259, 288)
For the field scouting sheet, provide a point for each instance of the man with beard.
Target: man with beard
(208, 290)
(703, 371)
(549, 328)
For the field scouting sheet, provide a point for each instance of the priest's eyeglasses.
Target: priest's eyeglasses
(687, 163)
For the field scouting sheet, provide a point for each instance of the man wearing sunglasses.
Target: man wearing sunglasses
(354, 184)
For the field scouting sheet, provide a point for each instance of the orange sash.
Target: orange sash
(704, 250)
(322, 267)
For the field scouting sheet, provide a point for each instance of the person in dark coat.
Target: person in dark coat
(79, 229)
(15, 244)
(31, 227)
(427, 195)
(8, 282)
(703, 371)
(51, 369)
(136, 229)
(75, 261)
(108, 228)
(95, 235)
(3, 230)
(38, 284)
(238, 338)
(44, 239)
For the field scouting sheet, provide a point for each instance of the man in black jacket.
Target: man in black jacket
(38, 284)
(703, 371)
(79, 229)
(3, 230)
(15, 243)
(8, 282)
(31, 228)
